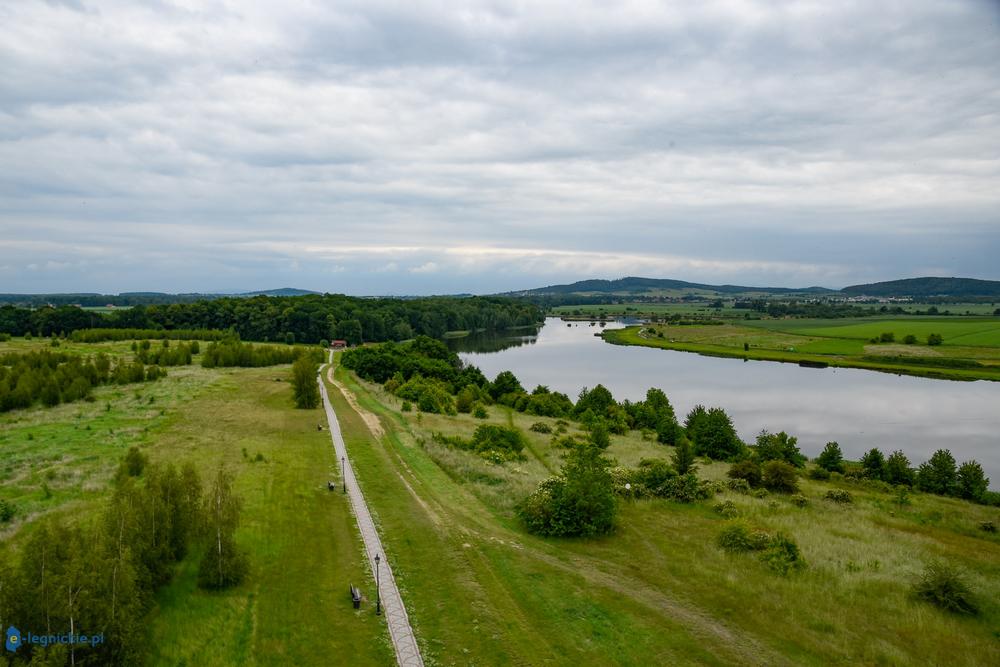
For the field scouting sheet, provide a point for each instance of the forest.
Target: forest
(295, 319)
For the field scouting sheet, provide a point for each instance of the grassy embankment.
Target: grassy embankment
(658, 591)
(303, 545)
(971, 348)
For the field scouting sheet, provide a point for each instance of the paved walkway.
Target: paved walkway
(403, 640)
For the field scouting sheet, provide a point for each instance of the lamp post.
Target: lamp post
(343, 472)
(378, 589)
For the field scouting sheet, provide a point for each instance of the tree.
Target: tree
(939, 474)
(934, 339)
(304, 383)
(579, 501)
(778, 447)
(873, 464)
(897, 469)
(972, 483)
(831, 458)
(223, 564)
(505, 383)
(714, 435)
(683, 458)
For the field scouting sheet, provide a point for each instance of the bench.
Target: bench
(355, 597)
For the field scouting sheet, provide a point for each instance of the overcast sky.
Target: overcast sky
(428, 147)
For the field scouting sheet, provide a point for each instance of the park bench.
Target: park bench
(355, 597)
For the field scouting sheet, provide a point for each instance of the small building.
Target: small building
(338, 344)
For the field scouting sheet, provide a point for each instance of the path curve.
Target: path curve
(404, 642)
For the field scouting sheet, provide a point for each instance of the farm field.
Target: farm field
(480, 590)
(303, 545)
(970, 349)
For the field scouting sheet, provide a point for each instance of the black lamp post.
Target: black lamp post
(378, 589)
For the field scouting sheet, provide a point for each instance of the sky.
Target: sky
(448, 147)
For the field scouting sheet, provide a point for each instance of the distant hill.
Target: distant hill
(928, 287)
(90, 299)
(635, 285)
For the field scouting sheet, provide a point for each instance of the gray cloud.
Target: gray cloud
(376, 147)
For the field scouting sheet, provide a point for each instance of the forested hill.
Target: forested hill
(91, 299)
(634, 284)
(301, 319)
(928, 287)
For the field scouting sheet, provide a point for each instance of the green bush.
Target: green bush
(782, 555)
(831, 459)
(738, 485)
(820, 474)
(758, 493)
(799, 500)
(747, 469)
(943, 585)
(839, 496)
(7, 511)
(479, 412)
(737, 537)
(780, 476)
(988, 527)
(934, 339)
(407, 406)
(727, 509)
(541, 427)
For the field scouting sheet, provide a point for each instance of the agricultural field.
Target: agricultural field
(634, 309)
(302, 542)
(970, 347)
(658, 590)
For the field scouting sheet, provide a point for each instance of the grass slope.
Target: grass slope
(658, 591)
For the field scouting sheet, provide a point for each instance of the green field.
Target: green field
(658, 591)
(478, 588)
(970, 351)
(304, 548)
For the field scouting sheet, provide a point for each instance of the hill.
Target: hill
(928, 287)
(636, 285)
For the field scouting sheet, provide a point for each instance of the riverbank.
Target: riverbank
(746, 343)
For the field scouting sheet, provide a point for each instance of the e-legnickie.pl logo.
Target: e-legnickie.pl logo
(15, 639)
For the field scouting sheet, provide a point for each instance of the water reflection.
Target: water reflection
(859, 409)
(493, 341)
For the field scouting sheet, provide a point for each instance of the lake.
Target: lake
(857, 408)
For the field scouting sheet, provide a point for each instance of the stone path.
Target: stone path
(403, 640)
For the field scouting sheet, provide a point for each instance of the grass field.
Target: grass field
(658, 591)
(303, 545)
(971, 348)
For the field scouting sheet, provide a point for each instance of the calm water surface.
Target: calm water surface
(859, 409)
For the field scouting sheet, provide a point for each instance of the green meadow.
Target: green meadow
(303, 545)
(480, 590)
(970, 349)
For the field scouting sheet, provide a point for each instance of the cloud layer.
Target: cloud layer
(376, 147)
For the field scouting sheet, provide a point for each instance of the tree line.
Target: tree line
(303, 319)
(101, 576)
(233, 352)
(57, 377)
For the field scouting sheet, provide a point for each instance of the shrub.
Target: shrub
(737, 537)
(758, 493)
(134, 462)
(685, 488)
(479, 412)
(778, 447)
(799, 500)
(782, 555)
(887, 337)
(819, 474)
(910, 339)
(934, 339)
(407, 406)
(727, 509)
(780, 476)
(497, 443)
(738, 485)
(839, 496)
(943, 585)
(988, 526)
(541, 427)
(7, 511)
(748, 470)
